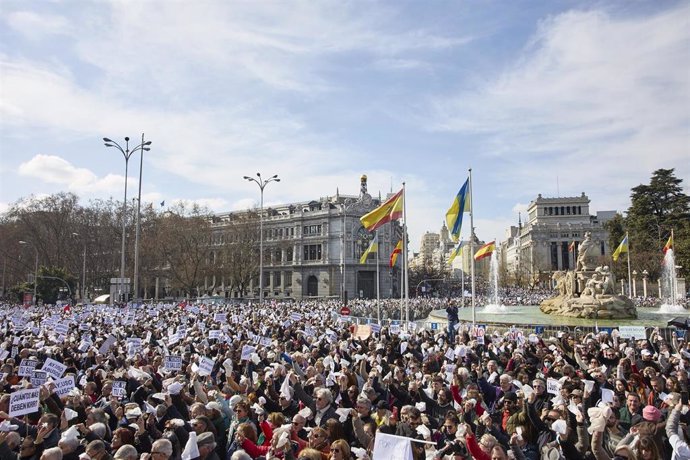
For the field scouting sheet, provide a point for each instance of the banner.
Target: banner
(64, 385)
(172, 363)
(38, 378)
(206, 366)
(24, 402)
(26, 367)
(54, 368)
(628, 332)
(391, 446)
(119, 388)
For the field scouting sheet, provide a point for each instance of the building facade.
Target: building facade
(313, 249)
(549, 240)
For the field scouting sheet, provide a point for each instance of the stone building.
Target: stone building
(313, 249)
(532, 251)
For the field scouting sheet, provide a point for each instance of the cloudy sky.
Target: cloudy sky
(555, 97)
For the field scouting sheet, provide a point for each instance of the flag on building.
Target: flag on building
(394, 254)
(373, 247)
(623, 247)
(457, 250)
(460, 205)
(485, 251)
(389, 211)
(669, 243)
(571, 247)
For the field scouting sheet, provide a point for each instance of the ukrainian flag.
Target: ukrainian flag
(623, 247)
(460, 205)
(457, 250)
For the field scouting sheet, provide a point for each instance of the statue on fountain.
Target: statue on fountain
(588, 291)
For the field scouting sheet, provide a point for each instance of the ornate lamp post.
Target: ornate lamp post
(35, 268)
(126, 153)
(262, 184)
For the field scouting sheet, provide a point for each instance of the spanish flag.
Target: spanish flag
(485, 251)
(460, 205)
(669, 243)
(373, 247)
(457, 250)
(394, 254)
(389, 211)
(623, 247)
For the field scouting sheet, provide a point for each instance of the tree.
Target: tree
(655, 210)
(240, 261)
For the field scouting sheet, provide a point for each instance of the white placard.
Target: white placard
(391, 446)
(296, 316)
(64, 385)
(119, 388)
(109, 342)
(206, 366)
(220, 317)
(247, 351)
(215, 334)
(553, 386)
(395, 329)
(172, 363)
(54, 368)
(24, 402)
(628, 332)
(38, 378)
(26, 367)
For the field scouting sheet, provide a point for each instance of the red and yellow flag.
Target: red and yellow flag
(389, 211)
(669, 243)
(485, 251)
(394, 254)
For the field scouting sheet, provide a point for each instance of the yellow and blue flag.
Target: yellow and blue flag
(373, 247)
(460, 205)
(457, 250)
(623, 247)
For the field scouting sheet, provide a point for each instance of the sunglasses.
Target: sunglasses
(336, 450)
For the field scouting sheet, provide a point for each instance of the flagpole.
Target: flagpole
(407, 279)
(629, 276)
(474, 312)
(378, 295)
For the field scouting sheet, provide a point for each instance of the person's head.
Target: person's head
(334, 429)
(318, 438)
(51, 419)
(13, 440)
(658, 384)
(298, 423)
(27, 448)
(414, 418)
(96, 450)
(197, 410)
(647, 449)
(247, 430)
(309, 453)
(126, 452)
(632, 402)
(363, 406)
(624, 453)
(444, 396)
(539, 386)
(340, 450)
(242, 410)
(450, 424)
(54, 453)
(206, 443)
(276, 419)
(499, 453)
(323, 398)
(487, 442)
(122, 436)
(505, 381)
(161, 449)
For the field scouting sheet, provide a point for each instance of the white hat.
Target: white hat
(174, 388)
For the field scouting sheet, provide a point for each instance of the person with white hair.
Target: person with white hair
(54, 453)
(126, 452)
(70, 448)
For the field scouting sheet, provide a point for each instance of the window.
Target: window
(311, 230)
(288, 254)
(312, 252)
(288, 279)
(276, 278)
(579, 209)
(567, 209)
(267, 278)
(278, 256)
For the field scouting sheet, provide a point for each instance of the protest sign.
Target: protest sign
(38, 378)
(553, 386)
(26, 367)
(64, 385)
(247, 351)
(220, 317)
(54, 368)
(119, 388)
(391, 446)
(628, 332)
(172, 363)
(363, 331)
(109, 342)
(24, 402)
(206, 366)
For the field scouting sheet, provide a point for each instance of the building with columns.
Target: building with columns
(533, 251)
(313, 249)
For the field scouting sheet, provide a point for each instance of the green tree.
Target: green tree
(656, 209)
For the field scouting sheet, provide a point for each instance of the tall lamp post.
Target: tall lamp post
(83, 271)
(35, 268)
(262, 184)
(127, 154)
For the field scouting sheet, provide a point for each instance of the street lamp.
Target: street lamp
(83, 271)
(262, 184)
(35, 268)
(127, 154)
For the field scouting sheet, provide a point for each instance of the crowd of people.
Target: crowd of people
(299, 381)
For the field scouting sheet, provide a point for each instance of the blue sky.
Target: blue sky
(555, 97)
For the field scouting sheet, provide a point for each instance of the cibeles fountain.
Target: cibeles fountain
(588, 291)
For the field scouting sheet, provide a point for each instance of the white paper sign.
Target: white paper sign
(607, 395)
(54, 368)
(38, 378)
(64, 385)
(109, 342)
(553, 386)
(220, 317)
(391, 446)
(172, 363)
(119, 388)
(24, 402)
(26, 367)
(215, 334)
(247, 351)
(628, 332)
(206, 366)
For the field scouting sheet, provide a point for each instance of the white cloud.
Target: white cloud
(36, 26)
(55, 170)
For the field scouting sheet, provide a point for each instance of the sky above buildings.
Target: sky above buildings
(556, 97)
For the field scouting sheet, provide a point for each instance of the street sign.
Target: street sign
(345, 311)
